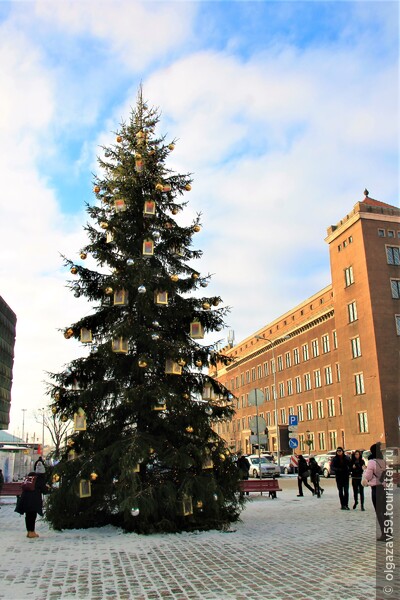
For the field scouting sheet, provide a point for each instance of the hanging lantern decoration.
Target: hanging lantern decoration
(208, 463)
(172, 367)
(109, 237)
(159, 407)
(86, 336)
(166, 188)
(148, 247)
(120, 298)
(207, 392)
(68, 333)
(136, 468)
(140, 137)
(188, 187)
(196, 330)
(83, 255)
(119, 345)
(161, 297)
(149, 208)
(139, 163)
(174, 277)
(85, 489)
(74, 270)
(186, 507)
(80, 421)
(96, 189)
(119, 205)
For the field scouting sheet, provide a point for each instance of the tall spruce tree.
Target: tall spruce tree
(143, 453)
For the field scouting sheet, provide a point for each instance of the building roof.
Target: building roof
(372, 202)
(8, 437)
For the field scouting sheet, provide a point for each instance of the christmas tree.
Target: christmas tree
(142, 453)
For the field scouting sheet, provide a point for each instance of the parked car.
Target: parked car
(268, 468)
(286, 466)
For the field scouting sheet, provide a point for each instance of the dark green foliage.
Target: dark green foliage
(144, 464)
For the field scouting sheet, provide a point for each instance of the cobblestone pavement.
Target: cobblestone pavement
(302, 548)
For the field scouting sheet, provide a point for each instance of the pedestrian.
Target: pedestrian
(315, 471)
(40, 459)
(357, 468)
(30, 503)
(342, 467)
(303, 474)
(244, 467)
(374, 475)
(1, 480)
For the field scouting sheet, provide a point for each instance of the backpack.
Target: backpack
(29, 482)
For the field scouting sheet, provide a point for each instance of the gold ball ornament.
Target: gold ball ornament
(140, 135)
(175, 211)
(188, 187)
(196, 228)
(185, 396)
(96, 189)
(68, 333)
(54, 410)
(174, 277)
(171, 147)
(206, 306)
(64, 418)
(93, 476)
(119, 139)
(104, 224)
(195, 275)
(55, 478)
(215, 302)
(189, 429)
(108, 291)
(142, 364)
(159, 187)
(168, 226)
(222, 457)
(74, 270)
(70, 443)
(198, 363)
(181, 362)
(199, 504)
(83, 255)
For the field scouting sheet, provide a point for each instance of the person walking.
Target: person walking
(374, 475)
(315, 472)
(243, 465)
(357, 468)
(30, 503)
(1, 480)
(342, 468)
(303, 474)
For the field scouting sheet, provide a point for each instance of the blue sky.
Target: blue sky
(284, 112)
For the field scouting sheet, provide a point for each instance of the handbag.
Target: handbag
(306, 474)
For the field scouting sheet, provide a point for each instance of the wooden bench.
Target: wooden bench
(260, 485)
(12, 489)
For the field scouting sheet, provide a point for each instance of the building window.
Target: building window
(325, 343)
(309, 411)
(381, 233)
(321, 440)
(331, 407)
(266, 370)
(317, 378)
(237, 382)
(332, 440)
(281, 390)
(328, 375)
(307, 382)
(352, 311)
(340, 405)
(289, 384)
(291, 410)
(350, 239)
(297, 382)
(359, 383)
(362, 422)
(397, 321)
(247, 376)
(314, 348)
(320, 409)
(283, 416)
(280, 363)
(301, 442)
(267, 396)
(288, 360)
(334, 337)
(300, 412)
(304, 350)
(273, 392)
(390, 233)
(268, 418)
(348, 276)
(395, 285)
(253, 374)
(242, 379)
(259, 371)
(337, 369)
(238, 425)
(355, 347)
(393, 255)
(296, 356)
(310, 441)
(242, 398)
(272, 366)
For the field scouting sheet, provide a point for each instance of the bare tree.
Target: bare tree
(55, 426)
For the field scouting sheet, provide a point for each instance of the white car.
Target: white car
(268, 467)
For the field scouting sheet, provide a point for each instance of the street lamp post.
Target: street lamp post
(42, 411)
(23, 441)
(278, 441)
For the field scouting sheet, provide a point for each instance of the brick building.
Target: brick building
(334, 359)
(8, 321)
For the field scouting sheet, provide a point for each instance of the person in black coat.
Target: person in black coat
(342, 467)
(315, 471)
(303, 473)
(31, 503)
(244, 467)
(357, 469)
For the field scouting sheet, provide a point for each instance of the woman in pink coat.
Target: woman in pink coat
(374, 474)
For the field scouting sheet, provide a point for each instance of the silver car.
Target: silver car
(268, 468)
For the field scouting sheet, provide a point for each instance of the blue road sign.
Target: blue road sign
(293, 443)
(293, 420)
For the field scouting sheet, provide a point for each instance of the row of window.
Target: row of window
(390, 233)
